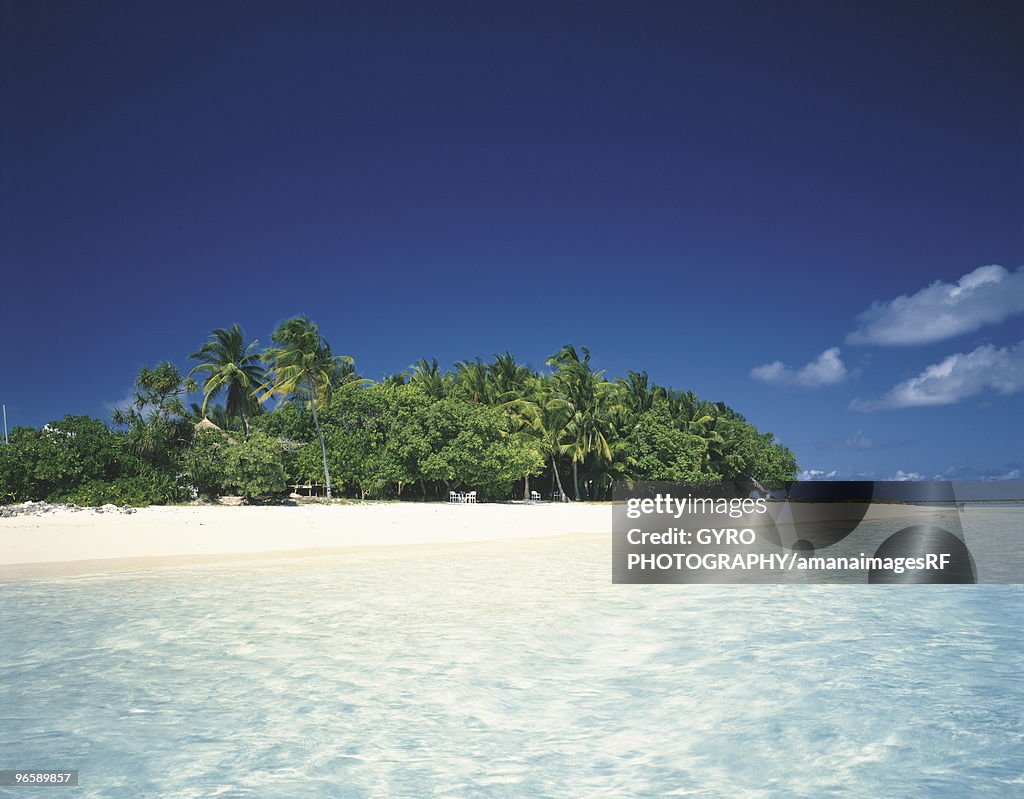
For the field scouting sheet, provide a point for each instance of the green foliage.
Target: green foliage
(159, 391)
(291, 421)
(470, 447)
(749, 453)
(233, 368)
(383, 439)
(40, 464)
(394, 435)
(158, 426)
(664, 451)
(204, 462)
(254, 467)
(491, 427)
(218, 463)
(302, 366)
(151, 487)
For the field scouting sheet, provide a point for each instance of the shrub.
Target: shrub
(204, 462)
(254, 467)
(59, 458)
(154, 488)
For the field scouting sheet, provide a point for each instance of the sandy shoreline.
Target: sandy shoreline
(202, 533)
(66, 542)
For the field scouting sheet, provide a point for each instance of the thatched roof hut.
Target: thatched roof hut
(206, 424)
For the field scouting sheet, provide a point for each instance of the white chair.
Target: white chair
(535, 496)
(453, 497)
(471, 497)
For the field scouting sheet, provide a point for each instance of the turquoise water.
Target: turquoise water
(512, 670)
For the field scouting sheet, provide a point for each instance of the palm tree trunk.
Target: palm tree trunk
(558, 477)
(245, 423)
(575, 479)
(320, 435)
(526, 487)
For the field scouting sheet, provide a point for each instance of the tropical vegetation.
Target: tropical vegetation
(296, 414)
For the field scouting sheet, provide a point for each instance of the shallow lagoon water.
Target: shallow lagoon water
(507, 670)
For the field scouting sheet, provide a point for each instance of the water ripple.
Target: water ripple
(512, 670)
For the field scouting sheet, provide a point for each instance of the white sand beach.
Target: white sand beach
(84, 541)
(204, 532)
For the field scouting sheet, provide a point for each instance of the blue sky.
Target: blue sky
(714, 193)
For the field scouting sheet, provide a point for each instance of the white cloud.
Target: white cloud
(957, 377)
(957, 472)
(960, 472)
(860, 441)
(987, 295)
(825, 370)
(816, 474)
(902, 476)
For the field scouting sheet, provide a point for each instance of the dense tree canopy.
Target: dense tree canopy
(499, 428)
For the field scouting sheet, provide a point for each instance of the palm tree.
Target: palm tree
(544, 415)
(396, 379)
(636, 393)
(472, 378)
(618, 466)
(427, 374)
(510, 386)
(703, 432)
(507, 378)
(301, 364)
(681, 405)
(234, 367)
(589, 431)
(592, 402)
